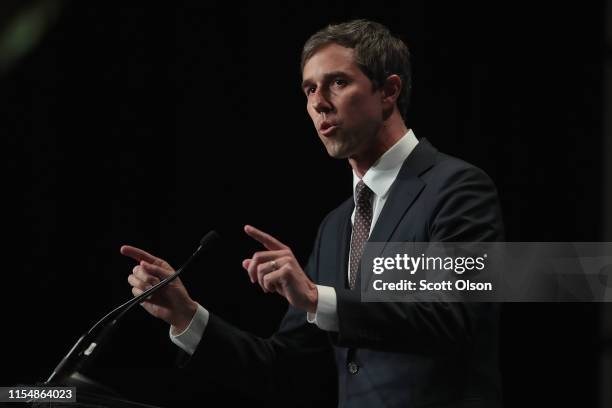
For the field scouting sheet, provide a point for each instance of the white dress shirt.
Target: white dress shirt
(379, 179)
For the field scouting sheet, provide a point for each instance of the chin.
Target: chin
(337, 152)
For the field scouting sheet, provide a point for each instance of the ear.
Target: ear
(391, 89)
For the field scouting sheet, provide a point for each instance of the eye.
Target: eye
(340, 82)
(310, 90)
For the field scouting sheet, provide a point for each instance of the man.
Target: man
(356, 80)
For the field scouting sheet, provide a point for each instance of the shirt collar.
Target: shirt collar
(382, 174)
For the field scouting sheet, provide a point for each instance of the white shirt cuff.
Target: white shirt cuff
(189, 339)
(326, 315)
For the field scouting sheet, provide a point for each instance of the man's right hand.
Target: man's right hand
(172, 304)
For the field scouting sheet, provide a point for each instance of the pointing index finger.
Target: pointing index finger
(267, 240)
(138, 254)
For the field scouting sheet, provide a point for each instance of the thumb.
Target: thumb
(155, 270)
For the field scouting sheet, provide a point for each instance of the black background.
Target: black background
(150, 123)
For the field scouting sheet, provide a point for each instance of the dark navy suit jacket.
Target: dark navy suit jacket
(384, 354)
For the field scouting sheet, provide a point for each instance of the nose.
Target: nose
(319, 103)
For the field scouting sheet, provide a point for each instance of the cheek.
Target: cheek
(311, 113)
(363, 107)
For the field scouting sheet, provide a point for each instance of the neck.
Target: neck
(389, 134)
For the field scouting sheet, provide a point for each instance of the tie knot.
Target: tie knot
(362, 192)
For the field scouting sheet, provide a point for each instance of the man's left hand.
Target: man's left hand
(277, 270)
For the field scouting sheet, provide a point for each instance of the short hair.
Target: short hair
(377, 53)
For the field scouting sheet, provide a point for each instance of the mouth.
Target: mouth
(327, 128)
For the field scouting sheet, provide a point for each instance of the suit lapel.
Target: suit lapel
(404, 191)
(402, 195)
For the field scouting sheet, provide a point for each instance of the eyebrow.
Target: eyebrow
(326, 77)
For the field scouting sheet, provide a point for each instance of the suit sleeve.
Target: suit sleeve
(466, 209)
(298, 357)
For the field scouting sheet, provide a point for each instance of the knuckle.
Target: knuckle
(133, 280)
(142, 275)
(152, 280)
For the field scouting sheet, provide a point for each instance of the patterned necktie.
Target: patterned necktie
(361, 229)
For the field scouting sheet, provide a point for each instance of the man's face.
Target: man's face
(341, 102)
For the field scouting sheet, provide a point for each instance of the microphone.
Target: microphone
(86, 344)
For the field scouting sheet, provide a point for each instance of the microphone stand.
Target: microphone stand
(87, 343)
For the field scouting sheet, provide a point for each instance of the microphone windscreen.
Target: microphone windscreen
(209, 238)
